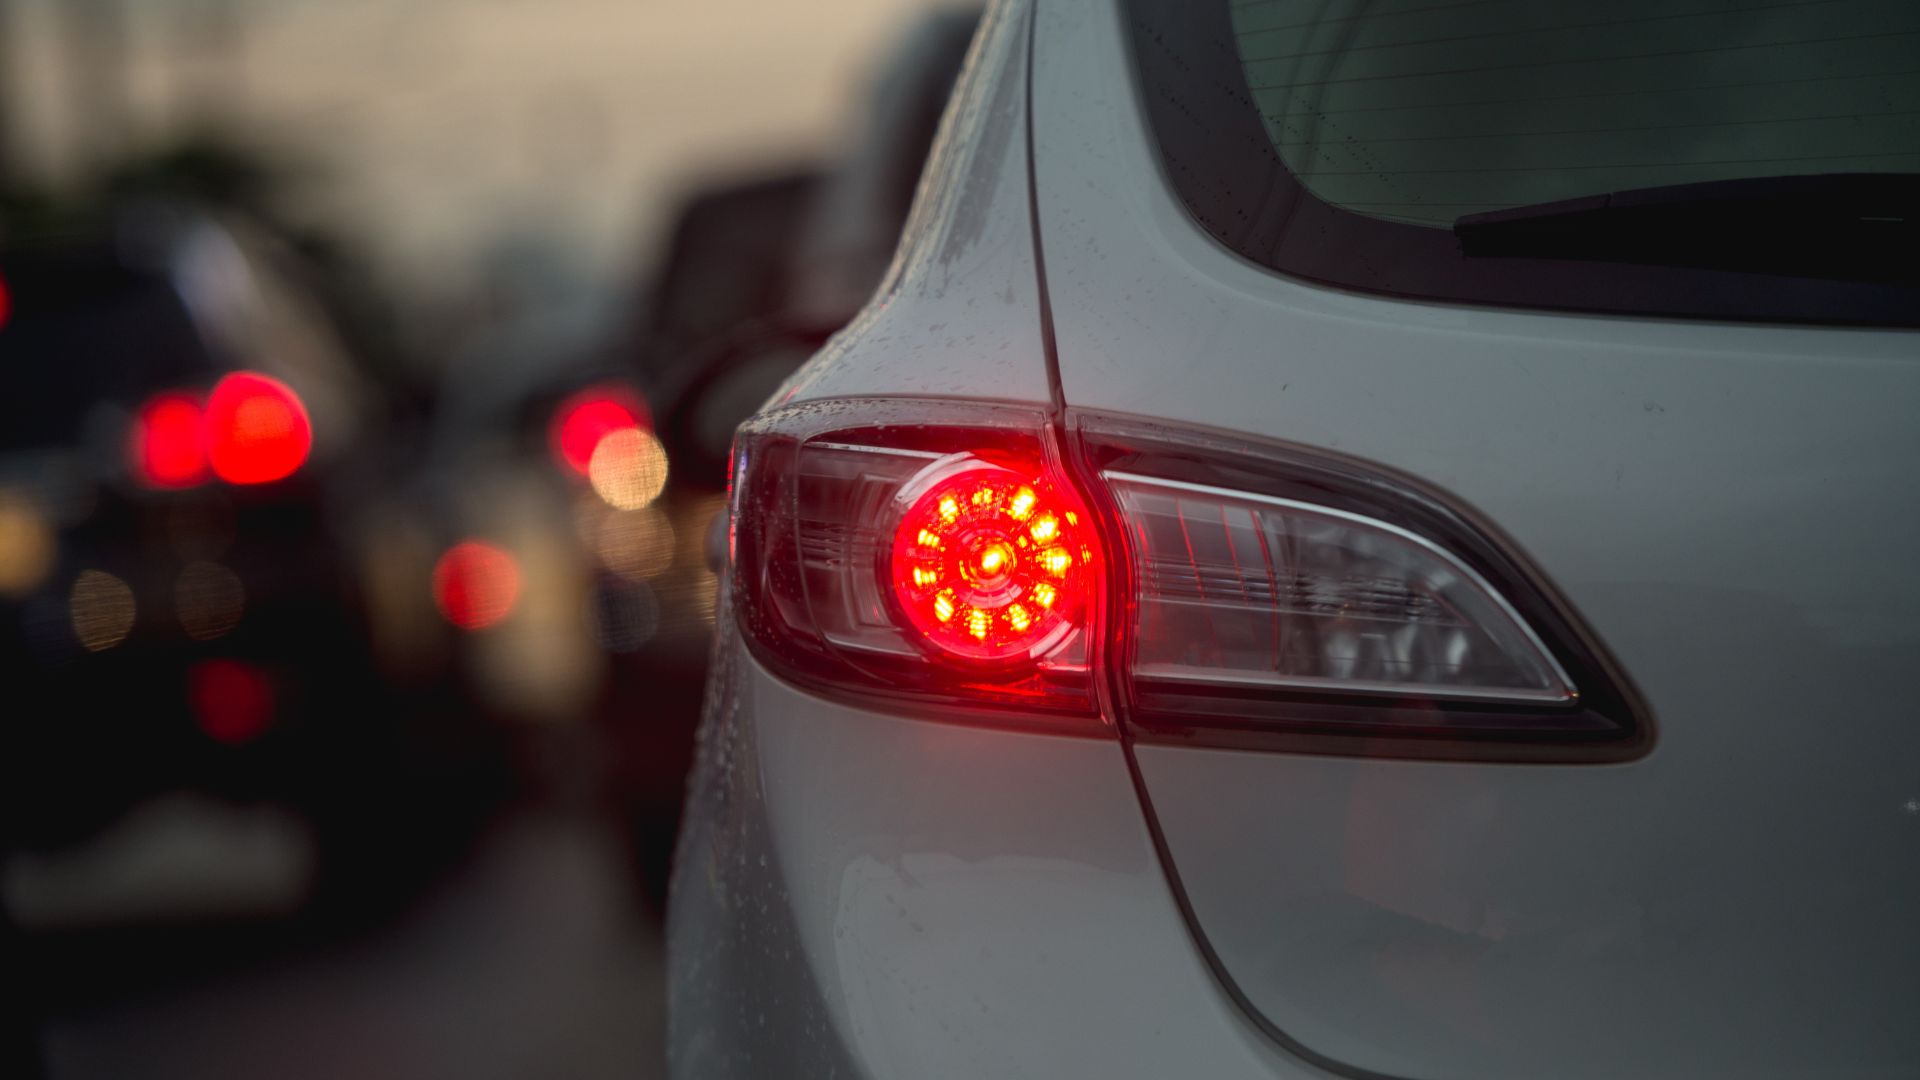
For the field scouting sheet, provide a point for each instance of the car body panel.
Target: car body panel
(1727, 506)
(959, 313)
(863, 894)
(1730, 507)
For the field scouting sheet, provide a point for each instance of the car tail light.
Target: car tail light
(1247, 590)
(1259, 595)
(169, 444)
(918, 550)
(990, 563)
(257, 430)
(1292, 598)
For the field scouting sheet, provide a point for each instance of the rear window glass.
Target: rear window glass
(83, 330)
(1424, 112)
(1344, 140)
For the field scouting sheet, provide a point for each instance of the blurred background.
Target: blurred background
(367, 372)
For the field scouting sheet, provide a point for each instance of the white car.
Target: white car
(1358, 540)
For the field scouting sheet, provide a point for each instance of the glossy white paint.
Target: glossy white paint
(892, 897)
(1732, 507)
(959, 313)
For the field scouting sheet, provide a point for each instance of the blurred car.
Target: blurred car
(183, 438)
(758, 274)
(1353, 542)
(571, 604)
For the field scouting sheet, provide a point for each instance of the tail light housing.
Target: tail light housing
(1109, 573)
(1289, 598)
(837, 589)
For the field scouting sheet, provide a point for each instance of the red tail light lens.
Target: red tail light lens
(931, 551)
(257, 429)
(169, 446)
(989, 564)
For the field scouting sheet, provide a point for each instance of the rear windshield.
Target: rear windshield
(1699, 157)
(82, 330)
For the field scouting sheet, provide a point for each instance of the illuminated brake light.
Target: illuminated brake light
(257, 430)
(887, 548)
(967, 567)
(586, 418)
(476, 584)
(977, 561)
(169, 445)
(6, 302)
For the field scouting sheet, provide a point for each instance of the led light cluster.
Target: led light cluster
(989, 564)
(939, 558)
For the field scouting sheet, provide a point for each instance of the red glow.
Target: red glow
(232, 700)
(169, 443)
(257, 430)
(475, 584)
(584, 419)
(992, 566)
(6, 302)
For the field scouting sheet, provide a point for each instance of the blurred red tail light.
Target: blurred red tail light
(252, 429)
(257, 429)
(476, 584)
(585, 418)
(233, 701)
(169, 446)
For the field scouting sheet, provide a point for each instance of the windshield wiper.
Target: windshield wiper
(1848, 226)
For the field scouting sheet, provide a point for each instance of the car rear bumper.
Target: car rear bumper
(860, 894)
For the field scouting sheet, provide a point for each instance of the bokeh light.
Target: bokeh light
(169, 445)
(636, 544)
(629, 469)
(586, 418)
(257, 429)
(476, 584)
(208, 599)
(100, 608)
(26, 544)
(232, 701)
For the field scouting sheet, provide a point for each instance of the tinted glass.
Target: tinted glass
(1423, 112)
(1344, 141)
